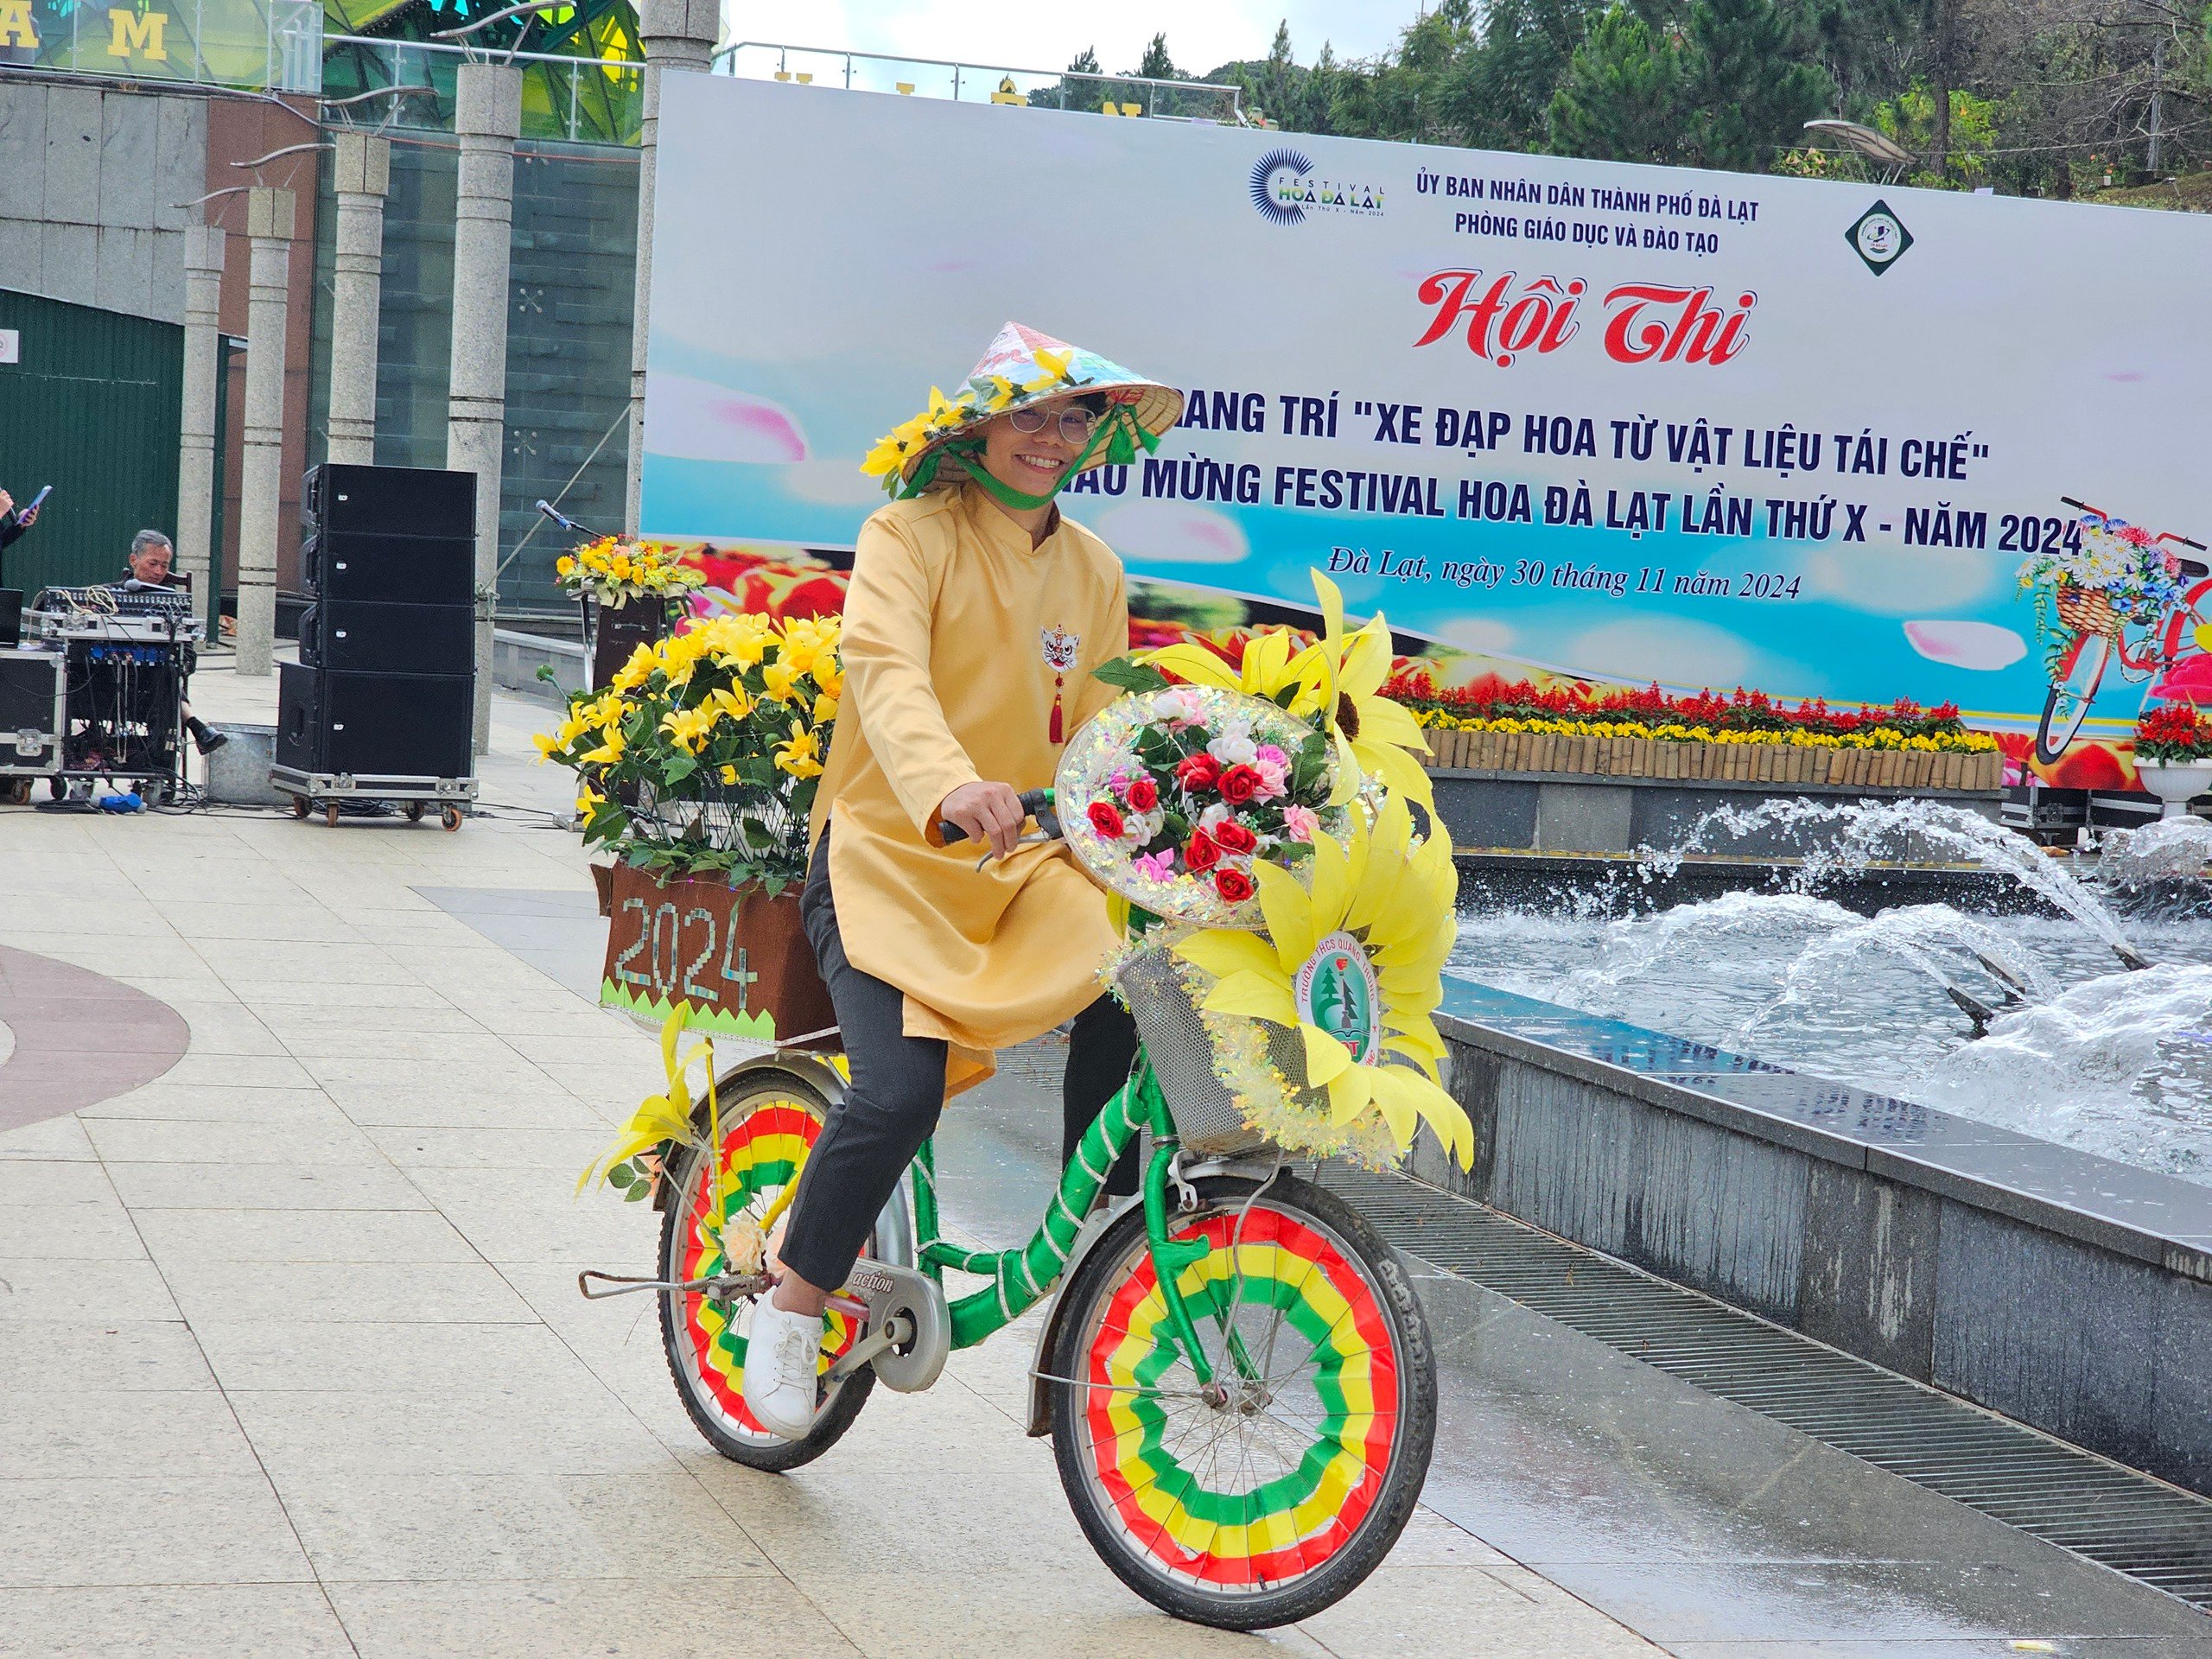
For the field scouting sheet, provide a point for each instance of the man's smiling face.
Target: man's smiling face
(1034, 463)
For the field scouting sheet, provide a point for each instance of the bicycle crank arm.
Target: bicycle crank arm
(720, 1287)
(896, 1331)
(909, 1331)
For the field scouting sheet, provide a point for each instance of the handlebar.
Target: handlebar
(1035, 804)
(2103, 517)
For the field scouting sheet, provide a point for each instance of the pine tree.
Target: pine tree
(1623, 97)
(1750, 91)
(1156, 65)
(1084, 62)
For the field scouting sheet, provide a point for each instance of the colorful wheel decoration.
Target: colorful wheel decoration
(759, 1154)
(1245, 1500)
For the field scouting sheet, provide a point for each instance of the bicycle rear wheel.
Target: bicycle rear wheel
(1275, 1497)
(768, 1124)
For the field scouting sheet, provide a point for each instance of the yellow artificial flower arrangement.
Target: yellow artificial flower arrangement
(705, 751)
(614, 571)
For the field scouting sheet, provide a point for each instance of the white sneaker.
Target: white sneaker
(783, 1353)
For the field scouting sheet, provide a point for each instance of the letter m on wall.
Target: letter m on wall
(137, 31)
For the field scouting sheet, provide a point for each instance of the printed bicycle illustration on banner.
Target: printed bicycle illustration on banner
(2108, 592)
(1237, 1379)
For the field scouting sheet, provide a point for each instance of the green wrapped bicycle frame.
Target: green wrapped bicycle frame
(1021, 1277)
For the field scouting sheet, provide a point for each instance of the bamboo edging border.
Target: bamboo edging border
(1693, 762)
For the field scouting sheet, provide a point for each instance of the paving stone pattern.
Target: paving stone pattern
(292, 1362)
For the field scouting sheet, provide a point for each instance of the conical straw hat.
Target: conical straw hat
(1022, 367)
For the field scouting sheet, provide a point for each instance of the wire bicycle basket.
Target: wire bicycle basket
(1162, 999)
(756, 821)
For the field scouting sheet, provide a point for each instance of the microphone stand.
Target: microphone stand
(586, 622)
(582, 600)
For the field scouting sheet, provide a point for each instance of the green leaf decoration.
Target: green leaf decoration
(1130, 675)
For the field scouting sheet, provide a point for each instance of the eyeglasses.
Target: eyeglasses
(1077, 424)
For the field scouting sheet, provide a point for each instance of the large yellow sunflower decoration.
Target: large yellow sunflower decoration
(1343, 673)
(1354, 968)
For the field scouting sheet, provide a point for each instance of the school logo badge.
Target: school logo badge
(1337, 991)
(1879, 237)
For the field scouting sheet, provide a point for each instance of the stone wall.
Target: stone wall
(90, 178)
(2063, 1290)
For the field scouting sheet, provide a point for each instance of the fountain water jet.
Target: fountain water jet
(1861, 832)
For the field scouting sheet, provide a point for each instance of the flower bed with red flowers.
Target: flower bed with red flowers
(1495, 699)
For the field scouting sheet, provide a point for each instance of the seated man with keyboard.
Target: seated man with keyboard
(148, 566)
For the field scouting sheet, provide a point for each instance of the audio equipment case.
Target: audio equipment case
(33, 715)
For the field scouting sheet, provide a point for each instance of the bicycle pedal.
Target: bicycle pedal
(909, 1332)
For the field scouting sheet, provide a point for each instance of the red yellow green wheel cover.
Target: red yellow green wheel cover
(1283, 1528)
(760, 1154)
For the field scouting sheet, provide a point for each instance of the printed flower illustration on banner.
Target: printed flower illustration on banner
(696, 420)
(2098, 575)
(1982, 646)
(1354, 969)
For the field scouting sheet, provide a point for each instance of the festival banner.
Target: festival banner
(1626, 422)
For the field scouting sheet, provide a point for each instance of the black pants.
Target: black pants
(897, 1092)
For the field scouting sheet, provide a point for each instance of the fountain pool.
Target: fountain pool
(2074, 1048)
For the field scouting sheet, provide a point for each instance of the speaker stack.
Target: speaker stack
(386, 682)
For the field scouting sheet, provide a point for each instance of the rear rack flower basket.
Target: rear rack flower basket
(698, 766)
(737, 955)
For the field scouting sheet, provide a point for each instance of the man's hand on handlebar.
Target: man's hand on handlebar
(992, 812)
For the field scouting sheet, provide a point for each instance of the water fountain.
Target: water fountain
(2055, 1043)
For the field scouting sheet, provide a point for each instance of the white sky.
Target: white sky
(1043, 35)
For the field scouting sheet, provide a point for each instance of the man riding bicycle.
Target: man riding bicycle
(975, 616)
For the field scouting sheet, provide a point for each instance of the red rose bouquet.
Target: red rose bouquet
(1173, 793)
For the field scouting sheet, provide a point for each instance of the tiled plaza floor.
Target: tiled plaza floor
(292, 1362)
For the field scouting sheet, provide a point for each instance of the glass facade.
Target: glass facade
(570, 280)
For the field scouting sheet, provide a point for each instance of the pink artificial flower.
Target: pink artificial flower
(1159, 867)
(1300, 822)
(1269, 755)
(1271, 780)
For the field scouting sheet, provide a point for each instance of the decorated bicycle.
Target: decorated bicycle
(2094, 579)
(1233, 1368)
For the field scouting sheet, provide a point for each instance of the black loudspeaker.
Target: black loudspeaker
(391, 501)
(374, 725)
(370, 568)
(389, 639)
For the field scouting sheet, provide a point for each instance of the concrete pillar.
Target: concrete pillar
(195, 458)
(361, 174)
(269, 227)
(487, 116)
(676, 35)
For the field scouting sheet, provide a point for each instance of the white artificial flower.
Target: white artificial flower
(1234, 747)
(1176, 703)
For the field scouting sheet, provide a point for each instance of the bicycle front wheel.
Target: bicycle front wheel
(2080, 671)
(1273, 1495)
